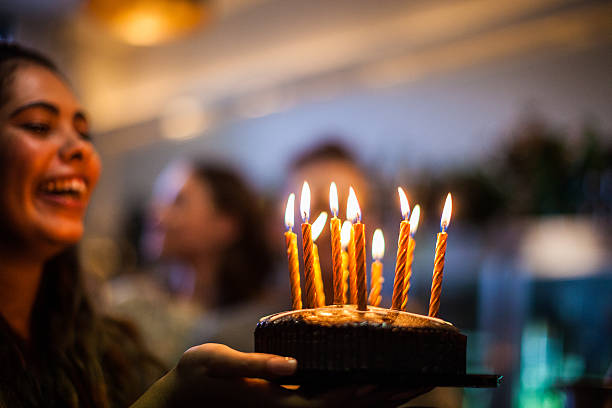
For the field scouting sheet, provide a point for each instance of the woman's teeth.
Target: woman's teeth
(69, 186)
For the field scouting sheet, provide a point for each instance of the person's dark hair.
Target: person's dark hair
(248, 262)
(75, 357)
(329, 150)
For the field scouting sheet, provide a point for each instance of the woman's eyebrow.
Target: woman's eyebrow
(80, 115)
(44, 105)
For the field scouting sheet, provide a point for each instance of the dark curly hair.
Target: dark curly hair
(75, 357)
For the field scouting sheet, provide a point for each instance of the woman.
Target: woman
(55, 350)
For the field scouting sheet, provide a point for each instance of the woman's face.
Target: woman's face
(192, 226)
(48, 165)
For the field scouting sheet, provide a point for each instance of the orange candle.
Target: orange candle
(402, 249)
(352, 269)
(292, 255)
(317, 228)
(436, 283)
(345, 238)
(414, 225)
(308, 254)
(336, 245)
(376, 277)
(354, 214)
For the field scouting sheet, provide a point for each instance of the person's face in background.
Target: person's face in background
(48, 164)
(192, 226)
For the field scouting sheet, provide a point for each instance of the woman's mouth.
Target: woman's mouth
(69, 192)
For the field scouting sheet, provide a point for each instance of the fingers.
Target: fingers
(221, 361)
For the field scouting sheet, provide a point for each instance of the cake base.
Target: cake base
(344, 344)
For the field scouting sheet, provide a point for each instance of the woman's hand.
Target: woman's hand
(214, 375)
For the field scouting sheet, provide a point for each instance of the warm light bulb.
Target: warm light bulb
(318, 225)
(305, 202)
(414, 219)
(378, 245)
(446, 213)
(345, 234)
(353, 212)
(333, 199)
(404, 203)
(289, 211)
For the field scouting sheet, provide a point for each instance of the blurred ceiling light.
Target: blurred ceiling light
(183, 118)
(560, 247)
(149, 22)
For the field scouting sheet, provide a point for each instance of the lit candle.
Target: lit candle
(402, 249)
(336, 244)
(292, 255)
(414, 225)
(352, 268)
(317, 228)
(436, 283)
(311, 294)
(345, 238)
(354, 214)
(376, 277)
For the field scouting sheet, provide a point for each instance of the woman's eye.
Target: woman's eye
(40, 128)
(86, 136)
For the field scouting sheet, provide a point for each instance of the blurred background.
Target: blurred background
(508, 105)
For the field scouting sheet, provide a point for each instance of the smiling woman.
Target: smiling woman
(54, 348)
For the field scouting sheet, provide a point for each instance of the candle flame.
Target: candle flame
(305, 202)
(289, 211)
(333, 199)
(318, 225)
(353, 212)
(446, 213)
(414, 219)
(345, 234)
(378, 245)
(404, 203)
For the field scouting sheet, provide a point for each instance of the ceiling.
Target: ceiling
(262, 56)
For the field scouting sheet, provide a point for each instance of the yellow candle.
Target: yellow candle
(376, 277)
(402, 249)
(292, 256)
(352, 269)
(354, 214)
(336, 245)
(308, 254)
(436, 284)
(414, 225)
(317, 228)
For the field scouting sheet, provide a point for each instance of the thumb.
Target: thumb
(221, 361)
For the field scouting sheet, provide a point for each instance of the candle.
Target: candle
(292, 255)
(376, 278)
(436, 283)
(311, 294)
(414, 225)
(336, 245)
(352, 268)
(317, 228)
(354, 214)
(345, 238)
(402, 249)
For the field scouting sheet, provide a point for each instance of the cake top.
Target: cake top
(349, 315)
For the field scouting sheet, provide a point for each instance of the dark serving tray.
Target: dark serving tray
(331, 380)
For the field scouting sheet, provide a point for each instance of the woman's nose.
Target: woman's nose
(74, 147)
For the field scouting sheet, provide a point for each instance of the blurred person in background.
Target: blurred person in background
(322, 164)
(55, 348)
(212, 267)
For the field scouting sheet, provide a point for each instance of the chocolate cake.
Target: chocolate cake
(340, 339)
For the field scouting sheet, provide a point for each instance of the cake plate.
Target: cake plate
(332, 380)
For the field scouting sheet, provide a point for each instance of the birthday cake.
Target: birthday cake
(337, 339)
